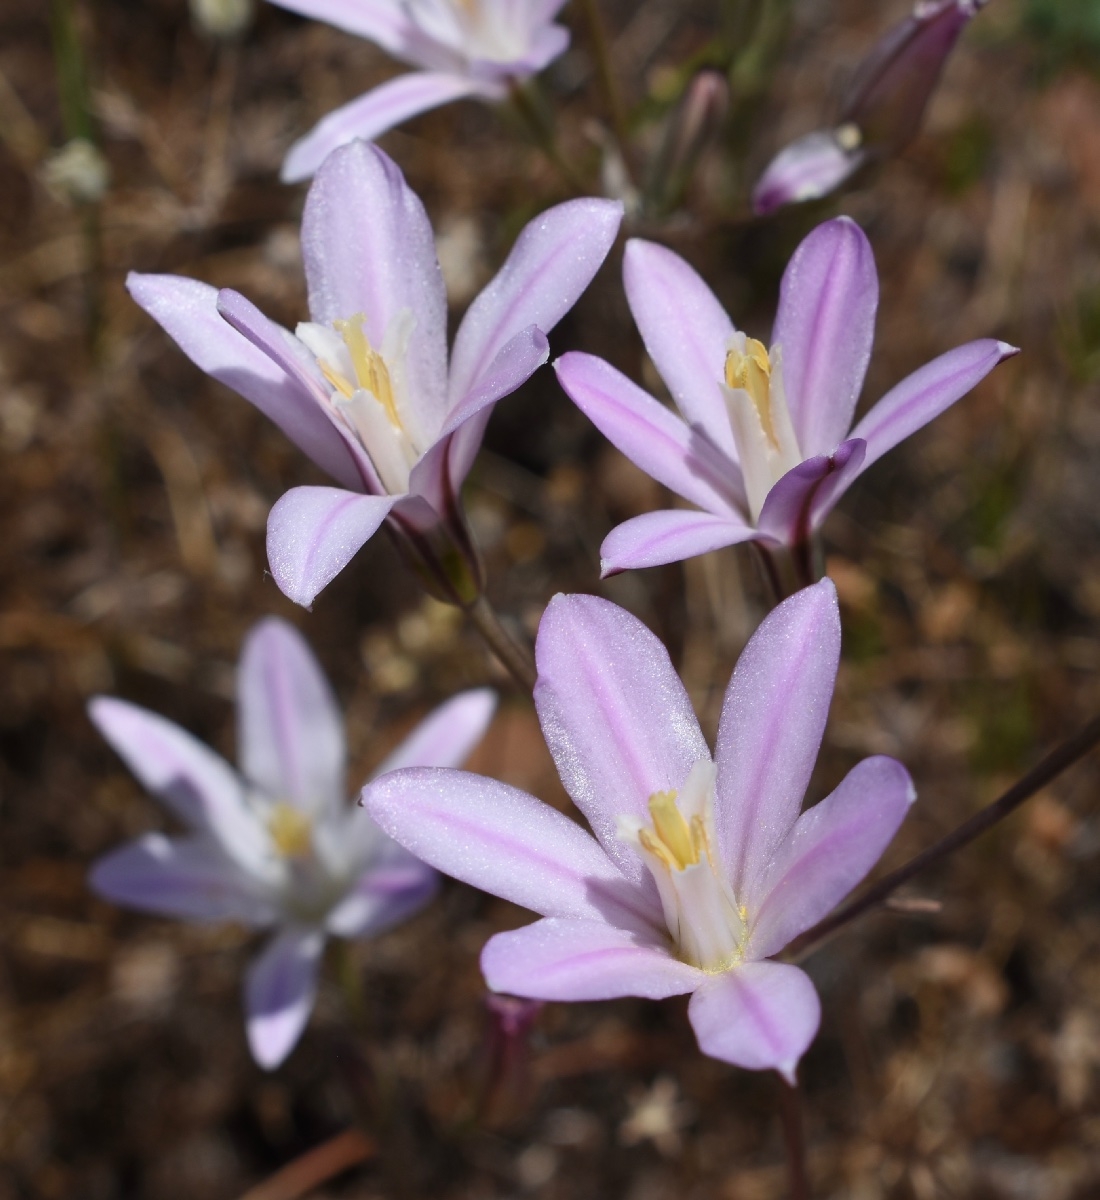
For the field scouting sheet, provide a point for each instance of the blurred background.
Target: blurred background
(959, 1050)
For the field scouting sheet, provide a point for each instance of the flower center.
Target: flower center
(700, 909)
(291, 831)
(751, 370)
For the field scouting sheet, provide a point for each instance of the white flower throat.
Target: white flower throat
(369, 392)
(759, 417)
(700, 909)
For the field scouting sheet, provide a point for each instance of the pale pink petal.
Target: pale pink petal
(385, 895)
(824, 329)
(669, 535)
(686, 332)
(812, 166)
(384, 22)
(561, 959)
(448, 735)
(506, 842)
(279, 991)
(553, 261)
(188, 312)
(652, 437)
(180, 877)
(615, 715)
(289, 728)
(830, 849)
(517, 361)
(375, 113)
(771, 727)
(314, 532)
(799, 502)
(760, 1016)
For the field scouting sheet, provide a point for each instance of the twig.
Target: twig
(1050, 768)
(790, 1110)
(315, 1167)
(602, 53)
(516, 658)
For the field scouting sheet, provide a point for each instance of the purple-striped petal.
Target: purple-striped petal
(368, 248)
(760, 1016)
(558, 959)
(552, 262)
(375, 113)
(279, 991)
(824, 329)
(385, 894)
(290, 731)
(652, 437)
(187, 310)
(615, 715)
(518, 359)
(771, 727)
(686, 333)
(180, 877)
(830, 849)
(314, 532)
(809, 167)
(800, 501)
(926, 393)
(448, 735)
(669, 535)
(506, 842)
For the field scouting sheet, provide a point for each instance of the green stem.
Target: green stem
(601, 51)
(516, 658)
(543, 136)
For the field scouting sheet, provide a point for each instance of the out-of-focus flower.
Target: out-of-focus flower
(364, 387)
(77, 173)
(881, 113)
(226, 19)
(692, 129)
(763, 448)
(462, 47)
(275, 845)
(700, 870)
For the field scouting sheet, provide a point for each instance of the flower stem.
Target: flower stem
(516, 658)
(790, 1110)
(601, 51)
(1058, 760)
(528, 111)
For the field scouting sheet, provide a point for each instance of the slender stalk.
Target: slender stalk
(1058, 760)
(314, 1168)
(516, 658)
(601, 50)
(790, 1111)
(544, 137)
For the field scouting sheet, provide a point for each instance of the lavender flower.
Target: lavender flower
(275, 846)
(700, 870)
(364, 387)
(462, 47)
(763, 448)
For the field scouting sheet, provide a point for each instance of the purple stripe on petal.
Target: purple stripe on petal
(615, 715)
(830, 849)
(927, 393)
(518, 359)
(558, 959)
(279, 991)
(824, 329)
(802, 499)
(771, 727)
(669, 535)
(760, 1016)
(314, 532)
(382, 898)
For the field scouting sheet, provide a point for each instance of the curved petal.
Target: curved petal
(187, 310)
(314, 532)
(384, 896)
(557, 959)
(373, 114)
(552, 262)
(547, 43)
(517, 361)
(615, 715)
(279, 991)
(825, 326)
(447, 735)
(830, 849)
(199, 786)
(384, 22)
(760, 1016)
(506, 842)
(667, 536)
(289, 728)
(926, 393)
(810, 167)
(801, 500)
(651, 436)
(368, 248)
(180, 877)
(770, 729)
(686, 333)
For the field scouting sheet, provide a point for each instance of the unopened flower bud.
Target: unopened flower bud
(77, 173)
(694, 126)
(222, 19)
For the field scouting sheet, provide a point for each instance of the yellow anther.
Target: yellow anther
(673, 832)
(290, 830)
(752, 371)
(370, 367)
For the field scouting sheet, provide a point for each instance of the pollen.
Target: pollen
(752, 372)
(672, 839)
(371, 371)
(290, 830)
